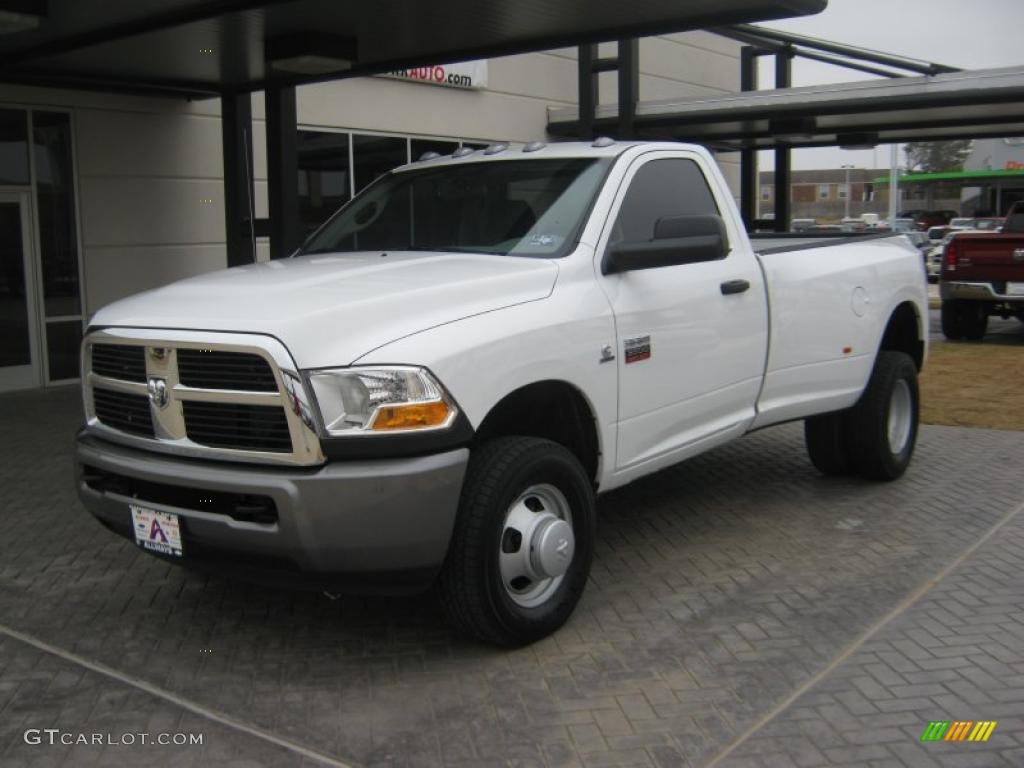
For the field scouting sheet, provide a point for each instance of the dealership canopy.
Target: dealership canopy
(976, 104)
(195, 49)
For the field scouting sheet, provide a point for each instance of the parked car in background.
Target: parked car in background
(989, 223)
(800, 225)
(904, 225)
(982, 274)
(919, 240)
(911, 213)
(933, 260)
(962, 222)
(929, 219)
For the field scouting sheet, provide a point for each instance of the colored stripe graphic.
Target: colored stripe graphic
(959, 730)
(935, 731)
(983, 730)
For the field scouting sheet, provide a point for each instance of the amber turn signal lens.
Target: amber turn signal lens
(411, 416)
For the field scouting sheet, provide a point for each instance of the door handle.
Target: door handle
(734, 286)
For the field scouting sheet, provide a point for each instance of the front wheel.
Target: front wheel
(524, 538)
(883, 423)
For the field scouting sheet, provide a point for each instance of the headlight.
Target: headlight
(357, 401)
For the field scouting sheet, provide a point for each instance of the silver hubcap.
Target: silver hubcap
(901, 416)
(536, 546)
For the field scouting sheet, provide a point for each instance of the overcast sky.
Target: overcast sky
(971, 34)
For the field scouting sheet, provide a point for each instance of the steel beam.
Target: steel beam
(629, 86)
(783, 154)
(282, 171)
(236, 134)
(748, 156)
(587, 90)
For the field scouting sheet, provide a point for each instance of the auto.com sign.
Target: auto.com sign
(465, 74)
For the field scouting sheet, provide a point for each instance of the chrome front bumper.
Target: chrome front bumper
(366, 524)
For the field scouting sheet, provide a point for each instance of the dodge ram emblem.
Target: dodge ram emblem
(157, 389)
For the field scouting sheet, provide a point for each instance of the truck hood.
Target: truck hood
(330, 309)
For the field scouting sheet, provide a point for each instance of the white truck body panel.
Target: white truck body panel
(329, 309)
(800, 341)
(829, 308)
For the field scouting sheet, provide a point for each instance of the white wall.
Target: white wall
(147, 166)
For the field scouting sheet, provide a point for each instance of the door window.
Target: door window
(661, 189)
(13, 146)
(15, 346)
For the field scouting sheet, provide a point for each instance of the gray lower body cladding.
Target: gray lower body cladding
(357, 526)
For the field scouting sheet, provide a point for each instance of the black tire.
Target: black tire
(470, 585)
(974, 320)
(871, 454)
(952, 320)
(828, 443)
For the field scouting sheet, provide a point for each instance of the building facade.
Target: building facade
(105, 195)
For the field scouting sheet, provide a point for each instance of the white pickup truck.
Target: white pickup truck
(434, 388)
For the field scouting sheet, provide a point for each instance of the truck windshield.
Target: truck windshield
(505, 207)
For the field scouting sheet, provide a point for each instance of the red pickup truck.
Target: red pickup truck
(982, 275)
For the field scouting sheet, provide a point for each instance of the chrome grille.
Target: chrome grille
(214, 369)
(119, 361)
(237, 397)
(123, 411)
(236, 425)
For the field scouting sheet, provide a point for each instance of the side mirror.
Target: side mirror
(677, 240)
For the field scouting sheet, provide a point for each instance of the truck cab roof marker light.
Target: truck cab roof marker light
(533, 146)
(428, 156)
(494, 149)
(463, 151)
(603, 141)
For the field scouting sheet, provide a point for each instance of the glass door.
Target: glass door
(19, 336)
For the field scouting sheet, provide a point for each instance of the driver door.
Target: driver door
(691, 351)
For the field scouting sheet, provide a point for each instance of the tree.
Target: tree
(937, 156)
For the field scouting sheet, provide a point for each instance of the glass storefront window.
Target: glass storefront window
(324, 182)
(63, 340)
(376, 155)
(14, 146)
(55, 202)
(15, 317)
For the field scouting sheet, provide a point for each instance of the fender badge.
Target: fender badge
(638, 349)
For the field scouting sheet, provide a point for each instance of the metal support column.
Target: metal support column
(748, 156)
(236, 135)
(783, 154)
(282, 171)
(587, 90)
(626, 65)
(629, 86)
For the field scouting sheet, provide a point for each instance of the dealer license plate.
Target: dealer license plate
(1015, 289)
(156, 531)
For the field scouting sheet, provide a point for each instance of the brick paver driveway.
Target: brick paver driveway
(743, 610)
